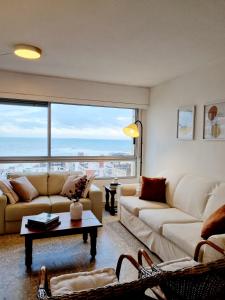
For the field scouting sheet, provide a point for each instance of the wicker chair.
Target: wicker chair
(128, 290)
(202, 281)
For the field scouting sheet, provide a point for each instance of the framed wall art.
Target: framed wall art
(214, 121)
(185, 122)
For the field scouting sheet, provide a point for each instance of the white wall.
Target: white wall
(162, 149)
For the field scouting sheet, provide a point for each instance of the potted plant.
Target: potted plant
(76, 207)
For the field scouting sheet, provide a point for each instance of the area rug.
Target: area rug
(62, 255)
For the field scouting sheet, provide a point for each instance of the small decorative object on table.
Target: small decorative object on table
(76, 207)
(43, 221)
(114, 184)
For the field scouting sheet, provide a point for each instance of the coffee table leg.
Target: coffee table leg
(93, 237)
(85, 236)
(28, 252)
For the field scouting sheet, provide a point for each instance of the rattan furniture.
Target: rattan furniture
(203, 281)
(130, 290)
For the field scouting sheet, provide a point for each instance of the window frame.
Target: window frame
(49, 158)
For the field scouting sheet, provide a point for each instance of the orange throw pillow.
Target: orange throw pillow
(215, 224)
(153, 189)
(24, 188)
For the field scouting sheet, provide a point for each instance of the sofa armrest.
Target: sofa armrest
(96, 197)
(130, 189)
(210, 253)
(3, 203)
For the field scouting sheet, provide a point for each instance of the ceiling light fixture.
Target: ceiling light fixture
(27, 51)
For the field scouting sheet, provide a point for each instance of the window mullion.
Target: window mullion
(49, 134)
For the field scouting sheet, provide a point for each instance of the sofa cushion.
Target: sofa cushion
(192, 193)
(133, 204)
(24, 188)
(216, 200)
(69, 186)
(38, 180)
(172, 179)
(186, 236)
(153, 189)
(56, 181)
(156, 218)
(7, 189)
(62, 204)
(215, 224)
(15, 212)
(89, 182)
(81, 281)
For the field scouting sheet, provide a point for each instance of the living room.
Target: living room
(104, 65)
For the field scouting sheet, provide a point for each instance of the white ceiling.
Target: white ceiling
(134, 42)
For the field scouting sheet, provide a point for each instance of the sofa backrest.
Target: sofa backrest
(172, 179)
(216, 200)
(39, 180)
(46, 183)
(56, 181)
(192, 193)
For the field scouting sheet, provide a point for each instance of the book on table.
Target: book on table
(43, 221)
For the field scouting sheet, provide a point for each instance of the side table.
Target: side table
(110, 199)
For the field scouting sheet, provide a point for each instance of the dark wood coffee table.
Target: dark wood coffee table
(88, 224)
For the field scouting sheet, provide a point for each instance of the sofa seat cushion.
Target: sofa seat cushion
(62, 204)
(185, 236)
(15, 212)
(133, 204)
(82, 281)
(156, 218)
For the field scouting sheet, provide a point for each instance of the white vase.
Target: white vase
(76, 209)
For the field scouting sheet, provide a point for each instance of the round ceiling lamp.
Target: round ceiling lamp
(27, 51)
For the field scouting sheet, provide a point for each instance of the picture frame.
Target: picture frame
(214, 121)
(186, 122)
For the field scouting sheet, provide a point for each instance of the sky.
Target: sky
(68, 121)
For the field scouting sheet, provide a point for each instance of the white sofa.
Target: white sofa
(173, 229)
(49, 186)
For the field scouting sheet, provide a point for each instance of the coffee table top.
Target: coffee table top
(88, 220)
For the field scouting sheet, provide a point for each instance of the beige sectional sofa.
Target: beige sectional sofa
(173, 229)
(49, 186)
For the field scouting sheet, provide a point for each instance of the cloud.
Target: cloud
(68, 121)
(89, 132)
(15, 131)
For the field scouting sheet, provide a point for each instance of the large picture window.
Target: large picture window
(90, 131)
(43, 136)
(23, 129)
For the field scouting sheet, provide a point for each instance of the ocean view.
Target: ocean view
(64, 147)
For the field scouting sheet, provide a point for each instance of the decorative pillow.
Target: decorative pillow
(24, 188)
(214, 224)
(74, 186)
(87, 187)
(153, 189)
(7, 189)
(69, 185)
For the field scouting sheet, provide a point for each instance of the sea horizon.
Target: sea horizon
(37, 146)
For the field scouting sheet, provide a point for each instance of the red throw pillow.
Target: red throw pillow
(215, 224)
(153, 189)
